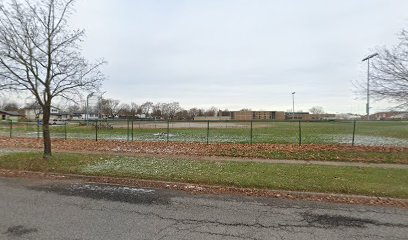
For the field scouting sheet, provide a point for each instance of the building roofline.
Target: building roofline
(10, 113)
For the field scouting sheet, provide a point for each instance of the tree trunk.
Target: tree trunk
(46, 132)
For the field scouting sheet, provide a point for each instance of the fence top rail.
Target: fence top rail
(206, 121)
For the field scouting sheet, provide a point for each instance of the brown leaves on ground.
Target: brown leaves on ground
(305, 152)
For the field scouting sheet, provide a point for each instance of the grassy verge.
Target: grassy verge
(372, 157)
(348, 180)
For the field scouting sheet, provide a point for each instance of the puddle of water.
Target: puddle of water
(20, 230)
(108, 193)
(332, 221)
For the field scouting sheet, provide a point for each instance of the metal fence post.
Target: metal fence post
(251, 132)
(168, 130)
(208, 132)
(65, 131)
(132, 130)
(96, 130)
(38, 129)
(128, 133)
(354, 132)
(300, 133)
(11, 128)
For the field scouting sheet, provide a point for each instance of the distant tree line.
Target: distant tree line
(113, 108)
(169, 111)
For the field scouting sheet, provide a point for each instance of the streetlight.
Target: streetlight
(86, 108)
(368, 82)
(293, 105)
(100, 105)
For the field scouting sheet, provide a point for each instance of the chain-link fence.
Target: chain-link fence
(367, 133)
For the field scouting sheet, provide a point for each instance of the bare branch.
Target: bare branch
(40, 55)
(389, 78)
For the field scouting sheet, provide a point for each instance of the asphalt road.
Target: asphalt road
(40, 209)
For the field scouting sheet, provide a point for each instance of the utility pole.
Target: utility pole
(100, 105)
(293, 105)
(368, 82)
(87, 106)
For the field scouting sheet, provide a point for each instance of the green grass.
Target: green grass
(348, 180)
(64, 163)
(373, 157)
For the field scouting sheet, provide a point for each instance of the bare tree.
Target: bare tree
(74, 108)
(389, 78)
(124, 109)
(133, 109)
(200, 112)
(166, 110)
(109, 107)
(156, 111)
(182, 115)
(192, 113)
(172, 109)
(146, 107)
(211, 112)
(9, 106)
(40, 55)
(316, 110)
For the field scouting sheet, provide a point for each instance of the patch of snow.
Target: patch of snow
(364, 140)
(112, 188)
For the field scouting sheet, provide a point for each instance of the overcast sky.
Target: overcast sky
(238, 53)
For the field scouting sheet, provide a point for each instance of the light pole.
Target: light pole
(86, 108)
(293, 105)
(368, 82)
(100, 105)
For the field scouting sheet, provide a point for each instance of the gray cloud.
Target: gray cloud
(238, 53)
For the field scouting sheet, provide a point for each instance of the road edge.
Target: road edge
(215, 189)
